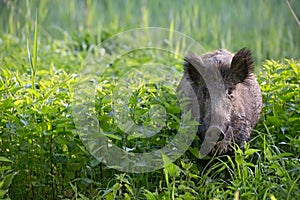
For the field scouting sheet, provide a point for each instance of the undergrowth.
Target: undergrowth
(42, 157)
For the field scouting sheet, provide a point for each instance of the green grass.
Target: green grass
(42, 47)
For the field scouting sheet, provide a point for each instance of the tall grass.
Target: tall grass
(267, 27)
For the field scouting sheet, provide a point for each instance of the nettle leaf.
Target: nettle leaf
(295, 66)
(173, 170)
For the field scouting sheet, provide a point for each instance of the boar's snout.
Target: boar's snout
(214, 133)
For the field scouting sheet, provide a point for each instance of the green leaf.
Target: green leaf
(116, 188)
(112, 135)
(239, 159)
(195, 151)
(294, 66)
(2, 193)
(173, 170)
(3, 159)
(251, 151)
(7, 180)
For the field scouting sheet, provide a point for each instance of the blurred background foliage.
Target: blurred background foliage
(267, 27)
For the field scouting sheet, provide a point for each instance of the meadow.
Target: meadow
(43, 48)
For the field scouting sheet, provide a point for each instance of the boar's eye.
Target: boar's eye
(229, 92)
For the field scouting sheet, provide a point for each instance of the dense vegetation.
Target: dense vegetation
(42, 47)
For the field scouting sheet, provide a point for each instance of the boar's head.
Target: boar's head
(242, 98)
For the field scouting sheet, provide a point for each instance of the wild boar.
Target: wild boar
(242, 99)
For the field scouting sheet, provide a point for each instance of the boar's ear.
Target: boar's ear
(191, 70)
(241, 66)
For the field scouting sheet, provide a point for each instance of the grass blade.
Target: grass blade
(33, 59)
(35, 44)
